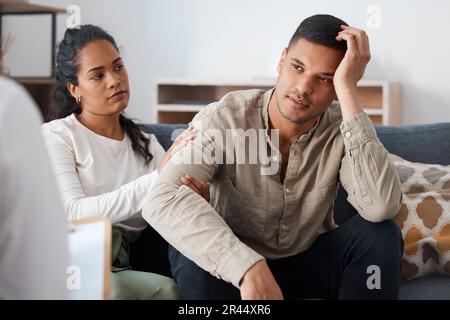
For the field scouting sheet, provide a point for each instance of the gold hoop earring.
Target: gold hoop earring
(78, 99)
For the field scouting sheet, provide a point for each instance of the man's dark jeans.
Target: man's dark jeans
(357, 260)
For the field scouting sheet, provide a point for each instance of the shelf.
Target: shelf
(35, 81)
(266, 82)
(259, 82)
(18, 7)
(177, 101)
(180, 107)
(199, 94)
(197, 108)
(180, 117)
(40, 89)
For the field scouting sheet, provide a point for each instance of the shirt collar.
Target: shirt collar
(265, 108)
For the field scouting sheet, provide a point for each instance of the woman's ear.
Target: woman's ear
(74, 91)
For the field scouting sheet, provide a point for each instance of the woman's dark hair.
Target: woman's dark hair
(320, 29)
(67, 68)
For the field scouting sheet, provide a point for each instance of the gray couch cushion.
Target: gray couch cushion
(163, 132)
(435, 287)
(427, 143)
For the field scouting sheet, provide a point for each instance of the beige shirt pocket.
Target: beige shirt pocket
(315, 206)
(320, 193)
(244, 213)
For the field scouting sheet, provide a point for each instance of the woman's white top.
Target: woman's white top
(101, 176)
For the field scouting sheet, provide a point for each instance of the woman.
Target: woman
(103, 162)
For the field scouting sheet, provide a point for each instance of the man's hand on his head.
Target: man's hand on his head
(259, 284)
(352, 66)
(351, 70)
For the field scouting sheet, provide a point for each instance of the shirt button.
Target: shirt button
(275, 158)
(284, 227)
(348, 134)
(288, 190)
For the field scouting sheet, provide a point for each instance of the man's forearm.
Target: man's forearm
(376, 187)
(348, 100)
(192, 226)
(367, 173)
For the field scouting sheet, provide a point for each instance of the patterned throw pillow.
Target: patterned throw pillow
(424, 217)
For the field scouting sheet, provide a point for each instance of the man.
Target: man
(33, 233)
(269, 234)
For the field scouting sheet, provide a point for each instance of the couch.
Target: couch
(427, 143)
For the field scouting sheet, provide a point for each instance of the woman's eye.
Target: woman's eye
(119, 67)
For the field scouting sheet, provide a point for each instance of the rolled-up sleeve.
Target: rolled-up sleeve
(187, 221)
(367, 173)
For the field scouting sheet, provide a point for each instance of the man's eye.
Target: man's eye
(98, 77)
(119, 67)
(298, 68)
(326, 80)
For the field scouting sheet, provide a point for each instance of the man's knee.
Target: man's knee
(194, 283)
(380, 236)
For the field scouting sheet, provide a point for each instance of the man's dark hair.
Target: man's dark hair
(320, 29)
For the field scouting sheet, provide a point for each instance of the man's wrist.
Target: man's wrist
(348, 100)
(345, 91)
(248, 273)
(254, 271)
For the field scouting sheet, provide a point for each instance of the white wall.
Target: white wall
(244, 38)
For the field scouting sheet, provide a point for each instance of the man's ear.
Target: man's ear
(74, 91)
(282, 59)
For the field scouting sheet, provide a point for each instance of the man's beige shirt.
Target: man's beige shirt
(252, 215)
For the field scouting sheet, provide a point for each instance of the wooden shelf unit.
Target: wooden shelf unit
(39, 88)
(15, 7)
(177, 101)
